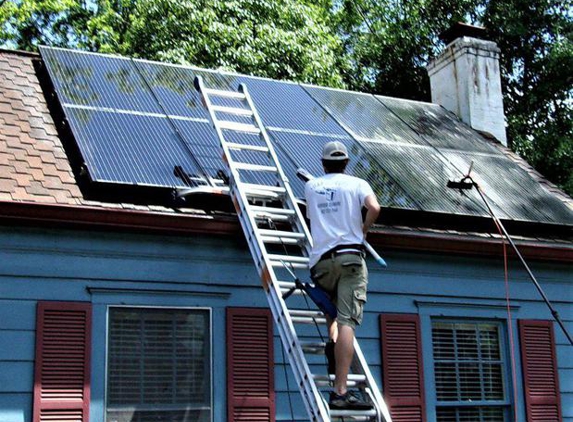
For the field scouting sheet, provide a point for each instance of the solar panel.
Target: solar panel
(437, 126)
(423, 173)
(361, 164)
(96, 81)
(134, 121)
(363, 116)
(511, 190)
(129, 148)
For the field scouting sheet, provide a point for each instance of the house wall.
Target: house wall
(217, 272)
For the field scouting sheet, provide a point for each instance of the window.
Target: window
(469, 372)
(159, 365)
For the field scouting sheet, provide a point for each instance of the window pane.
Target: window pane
(468, 368)
(159, 365)
(470, 383)
(446, 382)
(467, 342)
(470, 414)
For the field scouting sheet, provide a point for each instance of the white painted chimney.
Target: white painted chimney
(465, 79)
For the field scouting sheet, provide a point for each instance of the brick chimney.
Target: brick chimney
(465, 79)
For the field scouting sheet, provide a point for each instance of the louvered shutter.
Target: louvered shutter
(540, 371)
(250, 371)
(403, 378)
(62, 374)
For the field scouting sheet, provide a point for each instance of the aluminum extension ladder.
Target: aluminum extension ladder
(279, 242)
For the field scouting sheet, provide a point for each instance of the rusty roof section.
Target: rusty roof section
(35, 173)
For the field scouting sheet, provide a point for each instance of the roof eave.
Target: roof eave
(66, 216)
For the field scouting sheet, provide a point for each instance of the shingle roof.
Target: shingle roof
(34, 167)
(33, 164)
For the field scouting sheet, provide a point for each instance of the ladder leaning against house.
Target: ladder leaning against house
(279, 242)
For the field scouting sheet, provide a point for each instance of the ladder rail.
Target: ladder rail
(278, 307)
(257, 238)
(285, 181)
(379, 403)
(233, 180)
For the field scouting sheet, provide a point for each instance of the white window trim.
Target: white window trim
(191, 308)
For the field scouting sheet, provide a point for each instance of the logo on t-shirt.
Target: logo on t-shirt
(330, 205)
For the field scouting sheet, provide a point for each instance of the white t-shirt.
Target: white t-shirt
(334, 206)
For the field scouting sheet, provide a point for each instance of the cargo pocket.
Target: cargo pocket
(358, 305)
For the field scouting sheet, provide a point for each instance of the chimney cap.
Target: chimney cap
(460, 29)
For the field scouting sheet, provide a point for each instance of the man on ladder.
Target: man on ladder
(334, 207)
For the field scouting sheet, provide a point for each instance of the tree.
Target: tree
(389, 43)
(536, 40)
(281, 39)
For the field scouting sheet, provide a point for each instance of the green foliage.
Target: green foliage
(284, 39)
(536, 40)
(389, 43)
(25, 24)
(379, 46)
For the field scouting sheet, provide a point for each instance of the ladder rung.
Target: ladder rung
(290, 261)
(313, 347)
(275, 189)
(239, 127)
(291, 235)
(233, 145)
(267, 213)
(271, 210)
(285, 286)
(353, 380)
(225, 94)
(263, 191)
(280, 237)
(276, 240)
(233, 110)
(354, 415)
(307, 320)
(309, 313)
(254, 167)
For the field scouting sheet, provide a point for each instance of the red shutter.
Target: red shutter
(540, 371)
(250, 368)
(62, 371)
(403, 377)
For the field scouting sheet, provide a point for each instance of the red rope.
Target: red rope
(509, 318)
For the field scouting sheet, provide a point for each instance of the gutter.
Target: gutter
(382, 237)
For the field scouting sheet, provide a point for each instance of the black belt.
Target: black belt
(355, 249)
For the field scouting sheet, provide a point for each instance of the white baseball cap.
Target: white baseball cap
(334, 151)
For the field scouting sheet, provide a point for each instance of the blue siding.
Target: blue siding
(216, 272)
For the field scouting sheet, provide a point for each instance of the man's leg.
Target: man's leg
(329, 348)
(344, 352)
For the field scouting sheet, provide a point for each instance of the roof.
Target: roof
(38, 183)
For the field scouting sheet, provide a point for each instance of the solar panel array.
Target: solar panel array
(135, 120)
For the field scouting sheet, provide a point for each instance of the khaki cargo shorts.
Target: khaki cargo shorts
(345, 278)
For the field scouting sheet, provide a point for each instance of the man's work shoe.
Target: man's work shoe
(329, 352)
(348, 401)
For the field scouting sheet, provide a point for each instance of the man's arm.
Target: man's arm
(372, 211)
